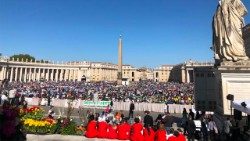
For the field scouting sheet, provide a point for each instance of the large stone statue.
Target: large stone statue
(228, 22)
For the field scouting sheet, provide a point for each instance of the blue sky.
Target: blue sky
(155, 32)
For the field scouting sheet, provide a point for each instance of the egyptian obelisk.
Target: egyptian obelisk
(119, 74)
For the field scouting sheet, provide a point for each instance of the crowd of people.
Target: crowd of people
(142, 91)
(114, 125)
(117, 126)
(165, 127)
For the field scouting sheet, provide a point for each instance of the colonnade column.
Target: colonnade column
(69, 74)
(62, 71)
(11, 74)
(3, 72)
(56, 75)
(78, 75)
(25, 75)
(35, 73)
(66, 74)
(16, 70)
(7, 73)
(183, 75)
(47, 74)
(60, 76)
(52, 74)
(187, 76)
(29, 75)
(43, 74)
(39, 74)
(21, 74)
(74, 75)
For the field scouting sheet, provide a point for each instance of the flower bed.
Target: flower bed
(34, 122)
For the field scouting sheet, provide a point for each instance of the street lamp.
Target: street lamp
(231, 98)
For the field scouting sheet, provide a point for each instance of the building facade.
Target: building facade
(162, 73)
(22, 70)
(19, 70)
(183, 73)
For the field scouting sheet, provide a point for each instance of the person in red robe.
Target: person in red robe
(173, 138)
(148, 133)
(181, 136)
(91, 131)
(112, 131)
(161, 133)
(102, 129)
(177, 137)
(136, 131)
(123, 130)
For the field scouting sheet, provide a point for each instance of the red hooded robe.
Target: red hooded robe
(91, 129)
(160, 135)
(102, 129)
(136, 132)
(148, 136)
(112, 132)
(123, 131)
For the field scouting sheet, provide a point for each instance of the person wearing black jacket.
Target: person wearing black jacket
(131, 109)
(191, 129)
(148, 119)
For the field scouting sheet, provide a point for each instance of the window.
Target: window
(197, 75)
(157, 75)
(133, 74)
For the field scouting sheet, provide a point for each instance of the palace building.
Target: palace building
(20, 70)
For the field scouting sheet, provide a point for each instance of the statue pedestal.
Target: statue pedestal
(231, 78)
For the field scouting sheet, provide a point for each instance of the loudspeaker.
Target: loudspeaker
(230, 97)
(237, 115)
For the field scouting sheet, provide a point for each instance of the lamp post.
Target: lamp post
(231, 98)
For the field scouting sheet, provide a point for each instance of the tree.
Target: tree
(23, 57)
(42, 61)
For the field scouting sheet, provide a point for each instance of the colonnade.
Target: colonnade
(27, 74)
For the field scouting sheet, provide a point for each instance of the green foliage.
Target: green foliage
(34, 115)
(53, 128)
(69, 129)
(30, 129)
(23, 57)
(42, 130)
(42, 61)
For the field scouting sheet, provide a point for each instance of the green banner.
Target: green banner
(97, 104)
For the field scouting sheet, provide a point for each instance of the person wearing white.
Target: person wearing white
(3, 98)
(12, 94)
(212, 129)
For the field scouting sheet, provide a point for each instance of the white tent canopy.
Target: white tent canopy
(237, 105)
